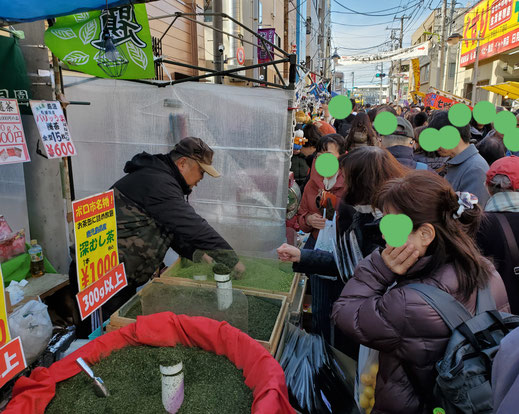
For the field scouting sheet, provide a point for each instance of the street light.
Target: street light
(335, 57)
(453, 40)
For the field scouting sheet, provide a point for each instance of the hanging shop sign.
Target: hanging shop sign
(12, 359)
(53, 129)
(421, 49)
(240, 55)
(415, 63)
(437, 99)
(95, 231)
(78, 41)
(14, 83)
(13, 148)
(270, 35)
(99, 292)
(496, 23)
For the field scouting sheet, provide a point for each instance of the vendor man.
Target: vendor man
(153, 214)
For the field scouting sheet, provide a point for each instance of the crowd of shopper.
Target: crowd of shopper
(464, 206)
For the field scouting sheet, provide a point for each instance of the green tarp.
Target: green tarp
(14, 83)
(19, 268)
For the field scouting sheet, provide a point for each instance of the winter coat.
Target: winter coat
(343, 126)
(405, 156)
(505, 375)
(402, 326)
(300, 169)
(308, 204)
(467, 172)
(493, 244)
(153, 215)
(436, 163)
(478, 135)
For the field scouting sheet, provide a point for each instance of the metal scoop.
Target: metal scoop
(99, 386)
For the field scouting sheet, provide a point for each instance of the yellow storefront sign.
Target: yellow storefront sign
(95, 231)
(4, 326)
(496, 23)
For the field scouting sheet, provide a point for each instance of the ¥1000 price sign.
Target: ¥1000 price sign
(95, 231)
(53, 129)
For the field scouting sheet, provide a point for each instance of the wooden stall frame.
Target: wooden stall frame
(117, 321)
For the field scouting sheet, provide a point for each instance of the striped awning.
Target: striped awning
(508, 89)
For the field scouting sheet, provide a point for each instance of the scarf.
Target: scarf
(506, 201)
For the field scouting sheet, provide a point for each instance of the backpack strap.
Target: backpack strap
(485, 301)
(420, 166)
(510, 240)
(451, 311)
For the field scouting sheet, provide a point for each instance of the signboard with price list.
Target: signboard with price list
(53, 129)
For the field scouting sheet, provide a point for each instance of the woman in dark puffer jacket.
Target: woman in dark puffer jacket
(440, 251)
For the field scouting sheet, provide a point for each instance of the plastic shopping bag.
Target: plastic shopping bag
(327, 237)
(32, 324)
(367, 369)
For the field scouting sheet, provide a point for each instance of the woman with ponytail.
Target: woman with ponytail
(379, 311)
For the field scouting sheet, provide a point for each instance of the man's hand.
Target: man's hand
(400, 259)
(208, 259)
(239, 270)
(288, 253)
(316, 221)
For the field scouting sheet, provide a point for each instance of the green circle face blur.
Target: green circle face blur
(327, 165)
(340, 107)
(385, 123)
(511, 140)
(505, 122)
(429, 139)
(449, 137)
(484, 112)
(459, 115)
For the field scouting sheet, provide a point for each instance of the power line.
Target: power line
(361, 25)
(371, 14)
(364, 48)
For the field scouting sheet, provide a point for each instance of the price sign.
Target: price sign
(13, 147)
(98, 293)
(12, 359)
(53, 129)
(95, 231)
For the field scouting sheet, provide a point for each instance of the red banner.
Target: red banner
(12, 361)
(98, 293)
(437, 101)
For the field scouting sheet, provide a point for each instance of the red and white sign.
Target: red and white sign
(13, 147)
(240, 55)
(12, 361)
(53, 129)
(99, 292)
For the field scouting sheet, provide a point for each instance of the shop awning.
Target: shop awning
(509, 89)
(32, 10)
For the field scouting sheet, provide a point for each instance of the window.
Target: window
(425, 73)
(452, 69)
(308, 25)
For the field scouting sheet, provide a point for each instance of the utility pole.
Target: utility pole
(402, 18)
(391, 70)
(380, 75)
(218, 39)
(352, 81)
(441, 60)
(450, 31)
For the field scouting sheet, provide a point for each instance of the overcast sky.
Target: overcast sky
(351, 31)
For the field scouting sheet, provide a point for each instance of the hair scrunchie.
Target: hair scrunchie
(466, 201)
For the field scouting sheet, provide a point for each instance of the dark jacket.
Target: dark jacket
(402, 326)
(405, 156)
(343, 126)
(300, 169)
(467, 171)
(492, 242)
(505, 375)
(153, 214)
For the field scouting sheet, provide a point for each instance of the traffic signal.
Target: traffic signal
(380, 75)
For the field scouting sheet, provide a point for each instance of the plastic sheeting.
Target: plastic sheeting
(13, 202)
(248, 128)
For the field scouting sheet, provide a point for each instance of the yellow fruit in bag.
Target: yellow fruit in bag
(368, 410)
(364, 401)
(367, 379)
(371, 403)
(373, 370)
(369, 392)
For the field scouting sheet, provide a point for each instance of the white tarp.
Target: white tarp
(400, 54)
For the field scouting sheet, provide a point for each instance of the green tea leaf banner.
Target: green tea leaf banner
(78, 41)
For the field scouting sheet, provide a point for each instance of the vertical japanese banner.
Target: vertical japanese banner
(13, 147)
(12, 359)
(53, 129)
(95, 231)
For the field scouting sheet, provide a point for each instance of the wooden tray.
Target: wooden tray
(117, 321)
(236, 283)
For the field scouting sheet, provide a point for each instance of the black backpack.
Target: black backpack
(463, 384)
